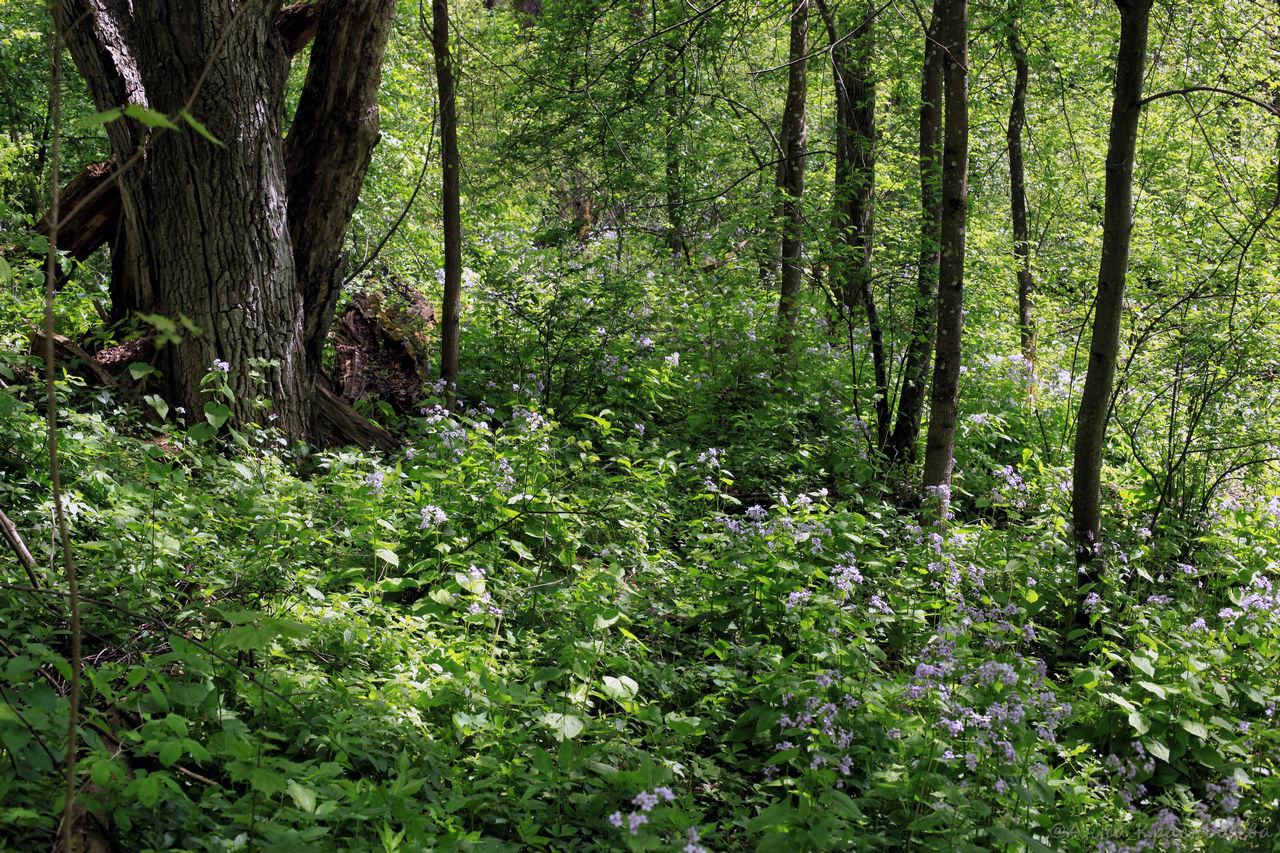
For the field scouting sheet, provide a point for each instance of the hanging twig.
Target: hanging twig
(19, 547)
(69, 569)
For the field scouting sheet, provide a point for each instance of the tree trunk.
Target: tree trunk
(903, 442)
(953, 34)
(451, 304)
(791, 185)
(853, 202)
(1095, 399)
(207, 233)
(1018, 199)
(673, 154)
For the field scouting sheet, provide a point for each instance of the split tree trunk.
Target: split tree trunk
(953, 35)
(221, 238)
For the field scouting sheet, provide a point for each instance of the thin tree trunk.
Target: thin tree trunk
(1095, 399)
(953, 33)
(905, 438)
(853, 202)
(672, 152)
(1018, 200)
(450, 323)
(791, 185)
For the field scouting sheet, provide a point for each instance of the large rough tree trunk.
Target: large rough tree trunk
(1117, 226)
(226, 238)
(451, 309)
(1018, 197)
(791, 184)
(903, 442)
(953, 35)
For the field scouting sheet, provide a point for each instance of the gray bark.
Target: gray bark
(207, 230)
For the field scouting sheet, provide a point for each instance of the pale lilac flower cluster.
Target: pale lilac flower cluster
(757, 526)
(1010, 489)
(645, 801)
(375, 480)
(1258, 601)
(483, 602)
(845, 574)
(795, 599)
(450, 437)
(433, 516)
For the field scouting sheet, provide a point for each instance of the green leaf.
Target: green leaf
(1194, 728)
(157, 402)
(622, 688)
(1031, 596)
(303, 797)
(386, 555)
(200, 128)
(139, 369)
(1158, 749)
(1139, 722)
(1143, 664)
(99, 119)
(170, 752)
(6, 271)
(563, 726)
(149, 117)
(1155, 688)
(216, 414)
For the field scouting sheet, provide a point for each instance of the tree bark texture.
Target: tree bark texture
(1018, 199)
(206, 235)
(791, 184)
(1104, 344)
(852, 65)
(451, 307)
(903, 442)
(953, 35)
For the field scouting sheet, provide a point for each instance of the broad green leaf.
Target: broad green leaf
(563, 726)
(157, 402)
(1194, 728)
(386, 555)
(216, 414)
(170, 752)
(1143, 664)
(1138, 722)
(1154, 688)
(303, 797)
(1156, 748)
(621, 688)
(99, 119)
